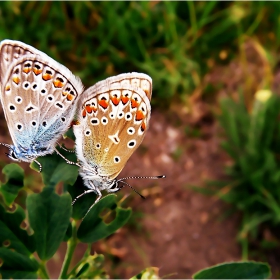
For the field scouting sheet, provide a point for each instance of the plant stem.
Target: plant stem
(71, 245)
(244, 246)
(43, 271)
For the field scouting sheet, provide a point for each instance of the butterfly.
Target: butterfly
(113, 118)
(39, 97)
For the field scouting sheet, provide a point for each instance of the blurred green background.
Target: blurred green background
(196, 52)
(176, 43)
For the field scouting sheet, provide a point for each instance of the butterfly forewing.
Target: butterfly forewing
(11, 51)
(112, 124)
(39, 97)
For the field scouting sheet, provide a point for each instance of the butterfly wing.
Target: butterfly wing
(39, 97)
(112, 124)
(11, 51)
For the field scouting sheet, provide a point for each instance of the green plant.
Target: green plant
(26, 245)
(176, 43)
(252, 141)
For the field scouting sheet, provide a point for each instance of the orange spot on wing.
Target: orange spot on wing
(26, 70)
(124, 99)
(47, 77)
(94, 109)
(16, 80)
(8, 87)
(134, 103)
(88, 109)
(139, 116)
(64, 93)
(59, 84)
(115, 100)
(103, 103)
(143, 126)
(37, 71)
(84, 113)
(70, 97)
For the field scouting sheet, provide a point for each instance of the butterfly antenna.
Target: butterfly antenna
(65, 149)
(143, 177)
(40, 165)
(132, 188)
(67, 161)
(6, 145)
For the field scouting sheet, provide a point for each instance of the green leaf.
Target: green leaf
(12, 235)
(49, 216)
(94, 228)
(55, 169)
(14, 182)
(235, 270)
(17, 266)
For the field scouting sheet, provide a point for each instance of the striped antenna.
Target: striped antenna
(139, 177)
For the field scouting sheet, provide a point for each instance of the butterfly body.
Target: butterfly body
(113, 117)
(39, 97)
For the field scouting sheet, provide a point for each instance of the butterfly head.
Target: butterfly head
(19, 153)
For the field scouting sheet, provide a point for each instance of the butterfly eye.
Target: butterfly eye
(12, 155)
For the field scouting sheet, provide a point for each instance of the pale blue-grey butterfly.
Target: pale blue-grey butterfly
(113, 117)
(39, 97)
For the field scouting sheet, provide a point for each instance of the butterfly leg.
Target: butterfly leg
(82, 194)
(67, 161)
(97, 199)
(40, 165)
(65, 149)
